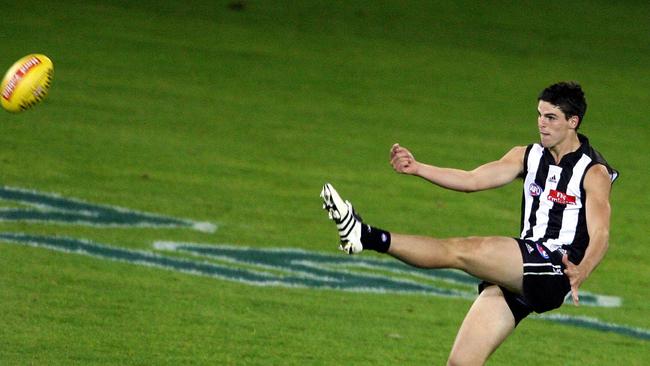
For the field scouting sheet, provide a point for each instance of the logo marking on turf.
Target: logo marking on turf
(52, 208)
(283, 267)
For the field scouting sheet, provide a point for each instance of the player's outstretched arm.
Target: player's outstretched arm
(487, 176)
(597, 187)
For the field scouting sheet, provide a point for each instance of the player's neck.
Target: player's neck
(567, 146)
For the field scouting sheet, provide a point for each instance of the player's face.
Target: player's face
(553, 124)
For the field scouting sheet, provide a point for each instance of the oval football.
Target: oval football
(26, 82)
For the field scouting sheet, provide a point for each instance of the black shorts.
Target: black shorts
(545, 285)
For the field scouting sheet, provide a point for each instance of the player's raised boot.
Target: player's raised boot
(346, 219)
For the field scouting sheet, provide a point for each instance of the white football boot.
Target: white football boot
(346, 219)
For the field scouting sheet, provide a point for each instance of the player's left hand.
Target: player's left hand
(576, 277)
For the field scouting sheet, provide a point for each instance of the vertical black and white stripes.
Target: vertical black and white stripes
(553, 202)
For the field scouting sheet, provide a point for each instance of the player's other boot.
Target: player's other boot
(347, 221)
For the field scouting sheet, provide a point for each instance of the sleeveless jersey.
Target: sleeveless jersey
(553, 200)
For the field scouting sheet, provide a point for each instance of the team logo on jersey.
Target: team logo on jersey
(534, 189)
(541, 251)
(561, 197)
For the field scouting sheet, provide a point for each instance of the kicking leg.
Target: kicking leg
(487, 324)
(495, 259)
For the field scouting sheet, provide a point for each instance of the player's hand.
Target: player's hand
(576, 277)
(402, 160)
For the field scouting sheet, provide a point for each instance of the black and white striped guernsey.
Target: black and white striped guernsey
(553, 200)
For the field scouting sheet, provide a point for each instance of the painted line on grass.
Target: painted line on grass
(300, 268)
(53, 208)
(300, 273)
(312, 262)
(596, 324)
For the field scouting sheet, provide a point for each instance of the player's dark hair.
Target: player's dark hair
(568, 96)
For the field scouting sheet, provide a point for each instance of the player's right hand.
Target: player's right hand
(402, 160)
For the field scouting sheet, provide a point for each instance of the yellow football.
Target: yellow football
(26, 83)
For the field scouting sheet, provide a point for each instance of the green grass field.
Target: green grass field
(193, 110)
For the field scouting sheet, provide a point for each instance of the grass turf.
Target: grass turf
(237, 117)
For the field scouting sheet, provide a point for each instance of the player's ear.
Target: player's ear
(574, 121)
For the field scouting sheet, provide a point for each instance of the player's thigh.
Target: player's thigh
(487, 324)
(496, 259)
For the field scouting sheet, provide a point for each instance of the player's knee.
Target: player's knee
(471, 249)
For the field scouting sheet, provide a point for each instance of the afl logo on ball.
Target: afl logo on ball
(534, 189)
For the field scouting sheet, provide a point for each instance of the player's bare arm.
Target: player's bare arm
(491, 175)
(520, 274)
(597, 187)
